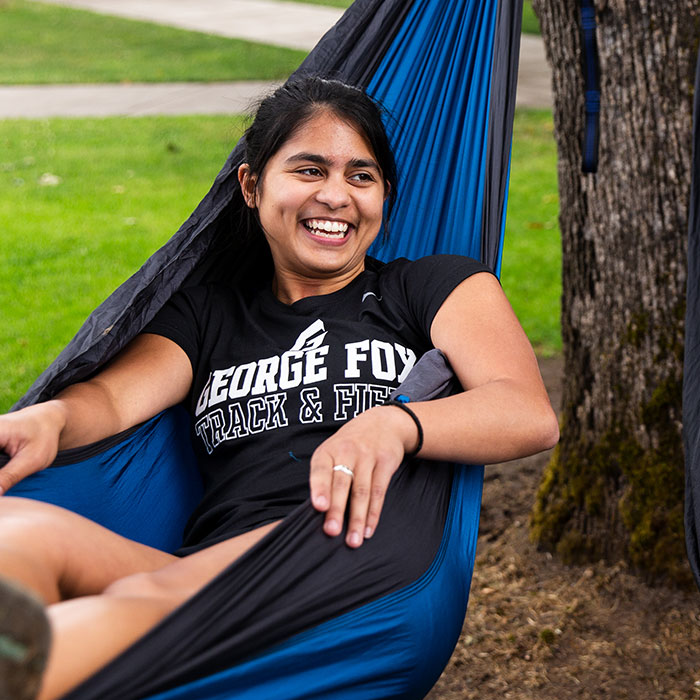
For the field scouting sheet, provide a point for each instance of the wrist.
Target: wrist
(413, 438)
(57, 413)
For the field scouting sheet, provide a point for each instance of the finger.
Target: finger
(320, 479)
(340, 492)
(14, 471)
(359, 504)
(380, 483)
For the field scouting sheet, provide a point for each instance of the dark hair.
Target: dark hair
(291, 106)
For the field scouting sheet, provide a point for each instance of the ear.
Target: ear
(387, 189)
(248, 183)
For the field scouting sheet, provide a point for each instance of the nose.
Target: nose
(333, 192)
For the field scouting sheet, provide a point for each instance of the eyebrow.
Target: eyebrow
(321, 160)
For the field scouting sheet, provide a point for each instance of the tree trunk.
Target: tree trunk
(614, 489)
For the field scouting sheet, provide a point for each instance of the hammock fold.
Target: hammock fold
(300, 615)
(691, 370)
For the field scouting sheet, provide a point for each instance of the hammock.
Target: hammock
(691, 373)
(301, 615)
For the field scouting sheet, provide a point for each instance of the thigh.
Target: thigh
(84, 557)
(182, 578)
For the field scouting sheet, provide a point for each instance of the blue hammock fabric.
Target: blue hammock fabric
(301, 615)
(691, 371)
(300, 587)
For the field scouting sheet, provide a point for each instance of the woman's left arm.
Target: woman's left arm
(503, 413)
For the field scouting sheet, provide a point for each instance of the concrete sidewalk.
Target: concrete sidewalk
(534, 74)
(133, 100)
(290, 24)
(270, 21)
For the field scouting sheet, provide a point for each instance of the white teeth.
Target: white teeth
(323, 227)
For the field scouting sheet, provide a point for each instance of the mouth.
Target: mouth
(327, 228)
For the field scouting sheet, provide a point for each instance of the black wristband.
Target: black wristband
(402, 405)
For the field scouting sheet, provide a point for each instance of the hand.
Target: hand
(30, 437)
(372, 446)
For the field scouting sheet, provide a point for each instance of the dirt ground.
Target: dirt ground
(538, 629)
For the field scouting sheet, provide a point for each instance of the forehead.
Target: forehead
(328, 135)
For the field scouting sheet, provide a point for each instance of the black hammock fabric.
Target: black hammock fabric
(691, 375)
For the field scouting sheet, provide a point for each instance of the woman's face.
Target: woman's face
(320, 203)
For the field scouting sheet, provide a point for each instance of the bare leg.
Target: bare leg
(89, 632)
(59, 554)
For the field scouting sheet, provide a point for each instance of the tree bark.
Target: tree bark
(614, 489)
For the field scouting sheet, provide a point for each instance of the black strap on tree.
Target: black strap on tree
(591, 86)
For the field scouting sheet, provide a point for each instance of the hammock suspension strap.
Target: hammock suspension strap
(591, 75)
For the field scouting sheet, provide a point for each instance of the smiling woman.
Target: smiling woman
(286, 379)
(320, 210)
(293, 107)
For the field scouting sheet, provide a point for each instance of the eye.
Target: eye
(363, 177)
(310, 170)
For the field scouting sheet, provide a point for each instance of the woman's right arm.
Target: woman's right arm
(149, 375)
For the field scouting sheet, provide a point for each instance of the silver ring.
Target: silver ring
(345, 469)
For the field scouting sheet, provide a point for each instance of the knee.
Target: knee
(38, 529)
(29, 514)
(146, 586)
(30, 525)
(13, 506)
(135, 586)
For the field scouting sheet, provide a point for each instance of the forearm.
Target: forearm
(151, 374)
(503, 414)
(77, 416)
(89, 414)
(32, 436)
(498, 421)
(495, 422)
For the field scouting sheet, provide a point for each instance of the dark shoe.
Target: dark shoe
(25, 637)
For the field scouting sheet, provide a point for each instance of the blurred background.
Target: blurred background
(84, 200)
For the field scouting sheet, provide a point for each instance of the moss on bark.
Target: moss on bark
(635, 494)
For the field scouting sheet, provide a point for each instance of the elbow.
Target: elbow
(548, 429)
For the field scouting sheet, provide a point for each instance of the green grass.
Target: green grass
(531, 274)
(42, 44)
(531, 25)
(124, 187)
(49, 44)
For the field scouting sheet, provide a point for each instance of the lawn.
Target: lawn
(84, 202)
(531, 274)
(41, 44)
(50, 44)
(530, 23)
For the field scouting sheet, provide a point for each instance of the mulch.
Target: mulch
(536, 628)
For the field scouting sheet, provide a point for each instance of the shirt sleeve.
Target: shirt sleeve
(179, 320)
(423, 285)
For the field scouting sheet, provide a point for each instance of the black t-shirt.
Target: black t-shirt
(272, 381)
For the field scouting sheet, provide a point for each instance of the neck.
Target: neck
(289, 288)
